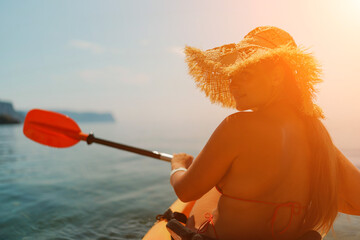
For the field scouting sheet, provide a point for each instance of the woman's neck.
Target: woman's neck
(280, 108)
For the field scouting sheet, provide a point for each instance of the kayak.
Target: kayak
(159, 231)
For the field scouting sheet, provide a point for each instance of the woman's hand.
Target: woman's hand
(181, 160)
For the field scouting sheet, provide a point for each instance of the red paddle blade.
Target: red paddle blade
(52, 129)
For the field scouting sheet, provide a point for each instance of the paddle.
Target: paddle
(57, 130)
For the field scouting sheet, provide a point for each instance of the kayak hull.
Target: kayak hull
(159, 231)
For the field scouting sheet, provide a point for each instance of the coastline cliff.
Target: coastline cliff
(8, 115)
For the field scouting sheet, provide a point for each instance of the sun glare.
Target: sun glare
(353, 6)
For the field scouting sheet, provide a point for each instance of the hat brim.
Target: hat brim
(213, 68)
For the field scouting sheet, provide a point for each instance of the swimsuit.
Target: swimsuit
(294, 206)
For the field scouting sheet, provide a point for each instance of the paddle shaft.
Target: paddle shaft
(154, 154)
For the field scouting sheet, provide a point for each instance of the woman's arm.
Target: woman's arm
(210, 165)
(349, 186)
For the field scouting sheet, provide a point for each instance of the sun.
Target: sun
(348, 12)
(354, 6)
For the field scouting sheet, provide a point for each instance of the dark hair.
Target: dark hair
(323, 206)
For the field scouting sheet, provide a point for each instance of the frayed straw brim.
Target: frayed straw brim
(213, 68)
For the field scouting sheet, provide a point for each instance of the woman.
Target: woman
(269, 173)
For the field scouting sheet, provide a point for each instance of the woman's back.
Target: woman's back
(272, 166)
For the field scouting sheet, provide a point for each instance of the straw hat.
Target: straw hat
(213, 68)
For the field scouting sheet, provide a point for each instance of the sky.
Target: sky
(126, 57)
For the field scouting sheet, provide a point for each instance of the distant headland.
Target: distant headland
(8, 115)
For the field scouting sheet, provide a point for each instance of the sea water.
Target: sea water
(96, 192)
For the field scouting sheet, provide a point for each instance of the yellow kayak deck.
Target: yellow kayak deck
(159, 231)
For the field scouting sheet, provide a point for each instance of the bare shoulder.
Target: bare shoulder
(255, 138)
(257, 141)
(250, 124)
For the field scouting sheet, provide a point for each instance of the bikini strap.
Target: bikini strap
(204, 226)
(295, 208)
